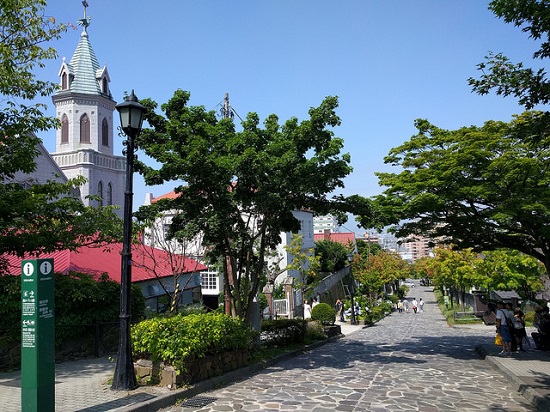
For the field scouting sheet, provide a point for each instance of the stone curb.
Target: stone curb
(164, 401)
(538, 400)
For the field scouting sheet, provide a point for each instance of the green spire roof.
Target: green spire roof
(84, 67)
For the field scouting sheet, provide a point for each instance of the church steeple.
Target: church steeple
(83, 74)
(85, 107)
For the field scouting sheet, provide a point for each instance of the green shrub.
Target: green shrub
(283, 332)
(178, 339)
(529, 318)
(387, 307)
(393, 298)
(314, 332)
(324, 313)
(377, 313)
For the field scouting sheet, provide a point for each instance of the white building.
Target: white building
(308, 242)
(324, 223)
(212, 281)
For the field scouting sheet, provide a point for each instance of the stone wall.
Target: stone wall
(197, 370)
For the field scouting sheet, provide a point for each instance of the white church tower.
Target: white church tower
(84, 143)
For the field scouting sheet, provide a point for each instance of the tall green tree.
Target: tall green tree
(240, 187)
(476, 187)
(374, 271)
(530, 86)
(35, 217)
(333, 256)
(506, 269)
(455, 270)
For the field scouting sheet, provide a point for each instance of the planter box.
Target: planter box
(332, 330)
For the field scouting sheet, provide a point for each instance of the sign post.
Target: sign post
(37, 336)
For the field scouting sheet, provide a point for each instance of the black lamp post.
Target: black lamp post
(352, 291)
(131, 118)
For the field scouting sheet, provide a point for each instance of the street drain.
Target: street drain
(197, 402)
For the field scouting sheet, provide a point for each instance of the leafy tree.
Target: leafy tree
(23, 30)
(376, 270)
(455, 271)
(35, 217)
(333, 256)
(242, 186)
(529, 86)
(501, 269)
(368, 248)
(506, 269)
(476, 187)
(303, 261)
(421, 269)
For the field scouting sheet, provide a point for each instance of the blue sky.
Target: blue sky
(390, 62)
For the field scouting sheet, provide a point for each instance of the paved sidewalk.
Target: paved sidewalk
(83, 385)
(529, 372)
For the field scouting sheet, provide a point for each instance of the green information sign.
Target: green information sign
(37, 336)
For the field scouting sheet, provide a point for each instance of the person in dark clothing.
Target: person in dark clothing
(519, 328)
(542, 337)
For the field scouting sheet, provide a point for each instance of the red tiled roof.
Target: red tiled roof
(169, 195)
(147, 262)
(174, 195)
(343, 238)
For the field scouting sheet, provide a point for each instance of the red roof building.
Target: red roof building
(153, 270)
(148, 263)
(346, 238)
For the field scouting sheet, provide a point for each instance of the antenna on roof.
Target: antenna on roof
(227, 111)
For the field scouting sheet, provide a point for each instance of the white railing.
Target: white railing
(281, 307)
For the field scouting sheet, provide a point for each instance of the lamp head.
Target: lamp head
(131, 115)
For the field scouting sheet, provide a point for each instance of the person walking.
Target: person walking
(421, 305)
(400, 306)
(502, 317)
(307, 310)
(340, 310)
(415, 305)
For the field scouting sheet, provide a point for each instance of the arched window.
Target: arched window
(105, 132)
(64, 81)
(100, 193)
(64, 129)
(84, 129)
(109, 194)
(105, 86)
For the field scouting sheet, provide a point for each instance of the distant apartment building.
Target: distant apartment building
(414, 248)
(323, 223)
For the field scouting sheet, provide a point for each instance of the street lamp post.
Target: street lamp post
(352, 291)
(131, 118)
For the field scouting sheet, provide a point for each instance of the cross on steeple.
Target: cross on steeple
(84, 22)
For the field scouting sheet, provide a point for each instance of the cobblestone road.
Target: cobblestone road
(407, 362)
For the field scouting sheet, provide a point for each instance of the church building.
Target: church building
(84, 144)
